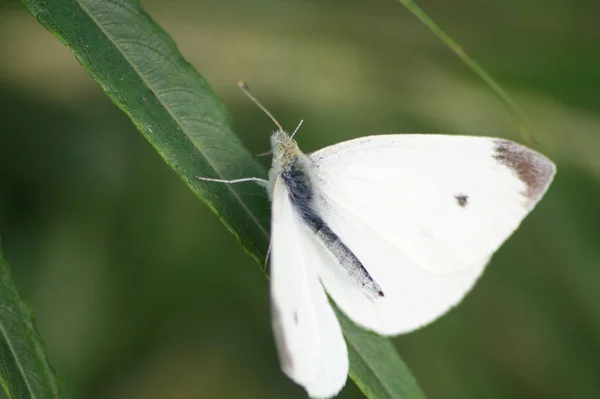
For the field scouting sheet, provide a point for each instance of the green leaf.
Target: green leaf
(25, 370)
(139, 67)
(375, 365)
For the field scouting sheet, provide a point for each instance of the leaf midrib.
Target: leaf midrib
(175, 119)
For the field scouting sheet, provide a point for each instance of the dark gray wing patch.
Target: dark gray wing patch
(532, 168)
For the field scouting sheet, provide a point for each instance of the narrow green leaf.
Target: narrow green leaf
(473, 65)
(140, 69)
(375, 365)
(25, 370)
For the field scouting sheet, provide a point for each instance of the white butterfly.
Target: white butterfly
(396, 228)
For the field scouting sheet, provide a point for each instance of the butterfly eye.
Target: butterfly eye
(278, 150)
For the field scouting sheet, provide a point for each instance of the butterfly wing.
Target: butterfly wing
(423, 213)
(309, 339)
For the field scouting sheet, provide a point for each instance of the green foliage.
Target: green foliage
(25, 370)
(112, 249)
(472, 64)
(140, 68)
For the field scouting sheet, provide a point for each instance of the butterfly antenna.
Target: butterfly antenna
(244, 86)
(296, 130)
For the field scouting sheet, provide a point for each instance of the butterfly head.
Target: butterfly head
(282, 145)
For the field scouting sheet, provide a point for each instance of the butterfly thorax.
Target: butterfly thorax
(285, 154)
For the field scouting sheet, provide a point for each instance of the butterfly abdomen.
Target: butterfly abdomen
(297, 178)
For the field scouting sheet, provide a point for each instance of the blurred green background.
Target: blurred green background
(138, 290)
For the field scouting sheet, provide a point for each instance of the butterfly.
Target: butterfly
(395, 228)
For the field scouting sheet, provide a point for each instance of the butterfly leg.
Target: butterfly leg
(264, 154)
(258, 180)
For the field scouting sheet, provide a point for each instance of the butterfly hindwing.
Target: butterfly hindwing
(311, 347)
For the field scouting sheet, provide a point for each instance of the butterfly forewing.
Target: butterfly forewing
(423, 213)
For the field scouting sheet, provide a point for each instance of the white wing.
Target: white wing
(312, 350)
(423, 213)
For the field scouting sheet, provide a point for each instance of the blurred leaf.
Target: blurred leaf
(25, 370)
(140, 69)
(418, 12)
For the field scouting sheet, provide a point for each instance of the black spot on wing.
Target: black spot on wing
(462, 200)
(532, 168)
